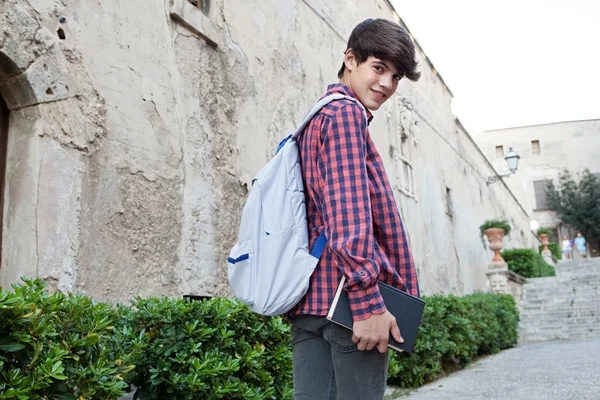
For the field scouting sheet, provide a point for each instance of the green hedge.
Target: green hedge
(527, 263)
(59, 347)
(212, 349)
(72, 348)
(554, 249)
(454, 331)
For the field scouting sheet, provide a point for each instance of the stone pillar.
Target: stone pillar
(546, 253)
(547, 256)
(504, 281)
(497, 275)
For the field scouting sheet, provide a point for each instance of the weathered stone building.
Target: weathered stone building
(546, 150)
(134, 128)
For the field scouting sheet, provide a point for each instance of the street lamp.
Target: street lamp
(512, 159)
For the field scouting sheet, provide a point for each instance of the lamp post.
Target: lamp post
(512, 159)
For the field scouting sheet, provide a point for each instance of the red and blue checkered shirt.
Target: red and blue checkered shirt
(349, 196)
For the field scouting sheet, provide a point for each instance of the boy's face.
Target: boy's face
(373, 81)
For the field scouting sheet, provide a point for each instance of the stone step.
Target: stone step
(571, 302)
(545, 337)
(556, 281)
(560, 314)
(560, 321)
(579, 297)
(578, 270)
(562, 292)
(593, 272)
(563, 283)
(560, 308)
(574, 328)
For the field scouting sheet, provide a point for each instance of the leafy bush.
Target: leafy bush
(59, 347)
(527, 263)
(554, 249)
(212, 349)
(501, 224)
(71, 348)
(544, 231)
(454, 330)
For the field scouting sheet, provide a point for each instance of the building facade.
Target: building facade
(545, 150)
(134, 129)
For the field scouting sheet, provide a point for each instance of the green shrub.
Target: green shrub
(212, 349)
(501, 224)
(554, 249)
(543, 231)
(454, 330)
(58, 347)
(527, 263)
(71, 348)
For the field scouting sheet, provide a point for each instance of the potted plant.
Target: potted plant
(495, 231)
(544, 235)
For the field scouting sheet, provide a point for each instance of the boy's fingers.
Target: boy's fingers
(396, 333)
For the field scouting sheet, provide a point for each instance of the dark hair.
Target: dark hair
(387, 41)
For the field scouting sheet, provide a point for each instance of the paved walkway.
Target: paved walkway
(562, 370)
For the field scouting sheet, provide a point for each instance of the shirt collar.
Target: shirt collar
(346, 91)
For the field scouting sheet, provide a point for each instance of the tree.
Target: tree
(577, 203)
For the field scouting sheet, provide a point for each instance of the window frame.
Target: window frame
(501, 154)
(405, 185)
(193, 18)
(535, 143)
(545, 206)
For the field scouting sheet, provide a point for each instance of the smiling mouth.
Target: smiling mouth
(379, 94)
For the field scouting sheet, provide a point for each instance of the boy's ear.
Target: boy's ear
(349, 60)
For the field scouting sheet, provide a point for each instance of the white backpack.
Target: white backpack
(270, 266)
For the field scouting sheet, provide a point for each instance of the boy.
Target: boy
(348, 195)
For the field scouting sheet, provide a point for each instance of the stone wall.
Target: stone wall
(136, 127)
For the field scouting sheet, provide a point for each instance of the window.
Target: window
(3, 143)
(193, 14)
(500, 151)
(535, 146)
(402, 141)
(404, 171)
(539, 188)
(203, 5)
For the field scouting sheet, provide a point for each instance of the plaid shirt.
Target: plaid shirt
(349, 196)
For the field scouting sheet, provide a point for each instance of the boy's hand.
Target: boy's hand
(375, 331)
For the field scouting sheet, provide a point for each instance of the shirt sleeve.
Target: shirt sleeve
(346, 208)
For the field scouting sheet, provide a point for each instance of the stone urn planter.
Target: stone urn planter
(495, 236)
(545, 238)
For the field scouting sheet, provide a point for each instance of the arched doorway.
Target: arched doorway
(3, 143)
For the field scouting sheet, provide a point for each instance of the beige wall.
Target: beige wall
(133, 141)
(572, 145)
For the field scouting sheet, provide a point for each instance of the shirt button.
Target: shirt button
(362, 272)
(368, 298)
(371, 307)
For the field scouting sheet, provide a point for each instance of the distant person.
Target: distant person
(580, 245)
(567, 249)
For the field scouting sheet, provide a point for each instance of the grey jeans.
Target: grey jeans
(328, 366)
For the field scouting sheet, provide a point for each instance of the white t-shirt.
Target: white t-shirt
(566, 244)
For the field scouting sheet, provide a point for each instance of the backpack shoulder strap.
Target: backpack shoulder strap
(317, 107)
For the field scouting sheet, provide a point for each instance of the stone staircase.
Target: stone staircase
(566, 306)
